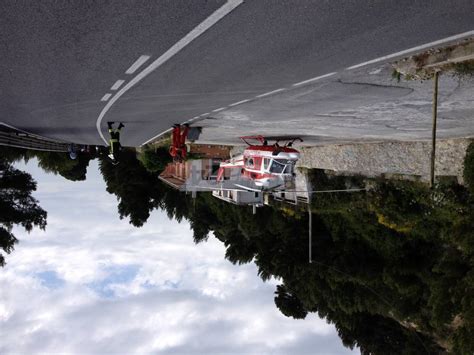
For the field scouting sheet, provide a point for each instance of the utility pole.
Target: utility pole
(310, 237)
(433, 132)
(309, 189)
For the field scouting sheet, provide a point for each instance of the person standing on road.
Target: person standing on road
(178, 142)
(114, 144)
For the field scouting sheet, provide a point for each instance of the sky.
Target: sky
(92, 283)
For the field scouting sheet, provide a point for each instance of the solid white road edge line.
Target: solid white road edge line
(414, 49)
(178, 46)
(219, 109)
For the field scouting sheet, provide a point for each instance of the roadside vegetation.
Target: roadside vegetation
(17, 205)
(457, 60)
(154, 159)
(468, 172)
(392, 266)
(464, 69)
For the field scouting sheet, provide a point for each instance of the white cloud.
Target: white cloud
(126, 290)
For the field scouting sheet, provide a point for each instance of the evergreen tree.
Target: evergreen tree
(392, 268)
(154, 159)
(138, 191)
(17, 206)
(60, 163)
(468, 172)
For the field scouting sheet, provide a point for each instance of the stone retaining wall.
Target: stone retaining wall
(374, 159)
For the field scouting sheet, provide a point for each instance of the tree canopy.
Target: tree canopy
(468, 171)
(392, 268)
(154, 159)
(17, 205)
(60, 163)
(138, 190)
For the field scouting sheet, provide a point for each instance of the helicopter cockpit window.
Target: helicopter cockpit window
(278, 166)
(249, 162)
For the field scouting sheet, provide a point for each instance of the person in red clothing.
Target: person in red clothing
(178, 142)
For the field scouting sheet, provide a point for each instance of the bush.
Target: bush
(464, 69)
(155, 160)
(468, 172)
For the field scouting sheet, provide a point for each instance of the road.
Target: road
(61, 60)
(363, 105)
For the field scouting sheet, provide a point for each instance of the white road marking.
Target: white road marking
(219, 109)
(239, 102)
(314, 79)
(375, 71)
(117, 84)
(160, 134)
(270, 93)
(106, 97)
(178, 46)
(204, 114)
(138, 63)
(414, 49)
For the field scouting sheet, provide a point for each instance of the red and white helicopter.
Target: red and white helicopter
(267, 166)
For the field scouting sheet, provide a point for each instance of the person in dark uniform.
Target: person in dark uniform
(114, 144)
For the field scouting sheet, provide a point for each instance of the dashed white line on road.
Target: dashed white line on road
(239, 102)
(117, 84)
(106, 97)
(138, 63)
(414, 49)
(375, 71)
(216, 16)
(219, 109)
(315, 79)
(270, 93)
(204, 114)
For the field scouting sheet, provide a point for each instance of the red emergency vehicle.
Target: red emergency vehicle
(268, 166)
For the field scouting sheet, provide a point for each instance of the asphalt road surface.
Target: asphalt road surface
(363, 105)
(68, 67)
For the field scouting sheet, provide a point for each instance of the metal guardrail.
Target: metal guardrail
(26, 141)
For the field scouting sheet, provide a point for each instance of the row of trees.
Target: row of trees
(392, 267)
(134, 182)
(17, 205)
